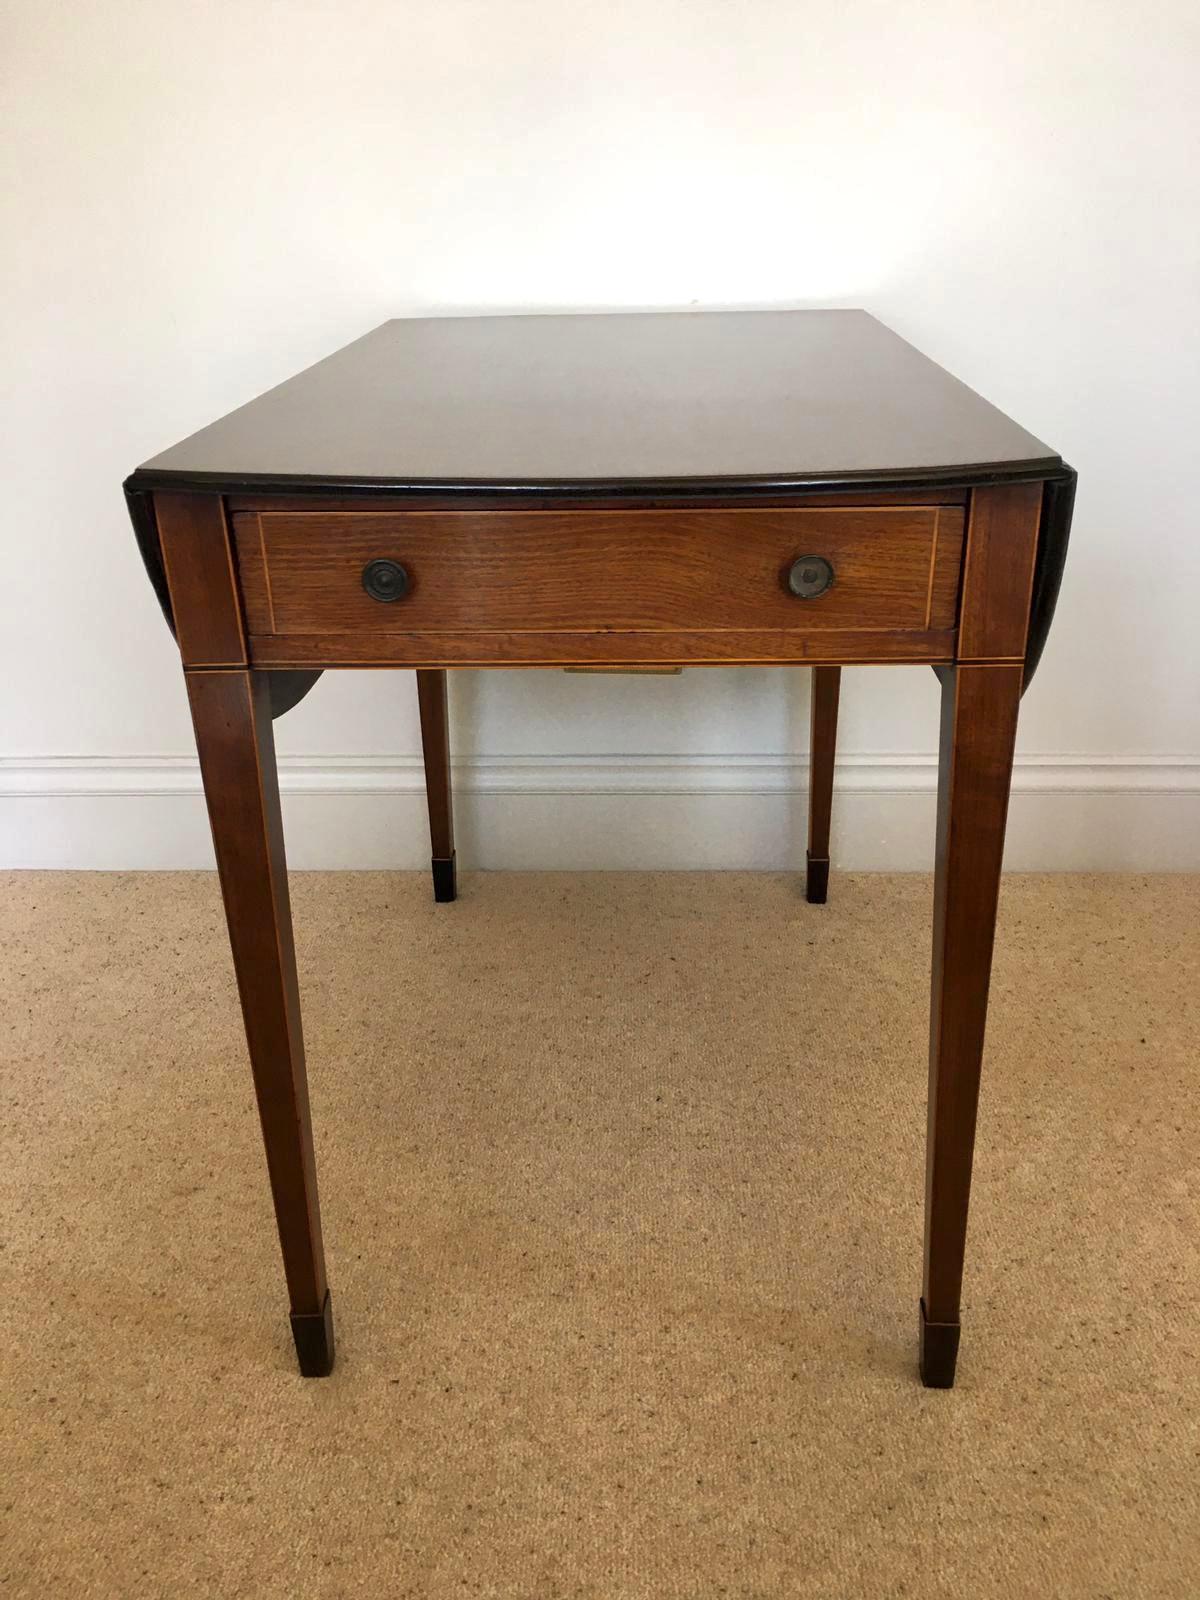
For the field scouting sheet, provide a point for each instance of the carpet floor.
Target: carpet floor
(622, 1180)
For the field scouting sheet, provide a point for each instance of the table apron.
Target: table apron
(559, 649)
(609, 588)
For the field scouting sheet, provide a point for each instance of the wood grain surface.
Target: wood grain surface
(197, 557)
(1002, 537)
(234, 739)
(620, 647)
(577, 571)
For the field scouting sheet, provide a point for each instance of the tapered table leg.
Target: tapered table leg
(979, 723)
(826, 686)
(435, 744)
(232, 718)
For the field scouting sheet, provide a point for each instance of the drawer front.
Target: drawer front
(309, 573)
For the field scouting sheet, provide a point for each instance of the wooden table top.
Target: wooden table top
(753, 399)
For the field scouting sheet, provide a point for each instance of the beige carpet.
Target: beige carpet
(621, 1177)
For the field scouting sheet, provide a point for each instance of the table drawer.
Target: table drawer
(886, 567)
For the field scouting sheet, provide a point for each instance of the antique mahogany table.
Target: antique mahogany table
(762, 488)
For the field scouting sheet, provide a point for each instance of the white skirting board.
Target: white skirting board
(1068, 813)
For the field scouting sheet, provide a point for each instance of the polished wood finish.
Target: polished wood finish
(826, 687)
(232, 720)
(981, 697)
(978, 730)
(692, 496)
(609, 492)
(561, 648)
(998, 568)
(198, 559)
(435, 745)
(896, 567)
(752, 398)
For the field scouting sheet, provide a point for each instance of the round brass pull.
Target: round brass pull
(808, 576)
(385, 580)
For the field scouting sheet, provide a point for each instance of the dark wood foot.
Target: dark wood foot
(445, 878)
(939, 1351)
(313, 1333)
(816, 889)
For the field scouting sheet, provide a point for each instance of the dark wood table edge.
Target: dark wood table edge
(954, 475)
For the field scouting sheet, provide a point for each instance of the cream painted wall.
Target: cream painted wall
(201, 198)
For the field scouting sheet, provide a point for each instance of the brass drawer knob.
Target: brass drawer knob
(808, 576)
(385, 580)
